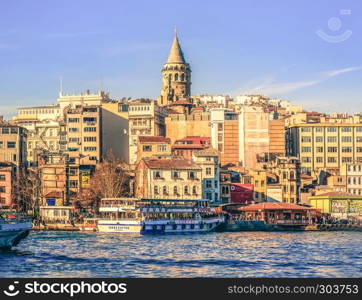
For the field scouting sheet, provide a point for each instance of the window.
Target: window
(90, 139)
(175, 190)
(2, 189)
(90, 129)
(306, 159)
(162, 148)
(332, 139)
(359, 149)
(11, 145)
(331, 129)
(346, 149)
(346, 139)
(346, 159)
(359, 139)
(72, 129)
(157, 174)
(305, 129)
(219, 126)
(332, 149)
(164, 190)
(1, 144)
(155, 190)
(306, 139)
(2, 177)
(73, 140)
(208, 183)
(192, 175)
(346, 129)
(6, 131)
(147, 148)
(194, 190)
(73, 120)
(319, 149)
(14, 130)
(318, 129)
(332, 160)
(319, 139)
(306, 149)
(175, 174)
(186, 190)
(90, 149)
(319, 159)
(216, 184)
(73, 183)
(220, 137)
(208, 171)
(209, 196)
(73, 171)
(90, 119)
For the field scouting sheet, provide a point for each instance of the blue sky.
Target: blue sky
(234, 47)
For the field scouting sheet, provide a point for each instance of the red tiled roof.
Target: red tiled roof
(336, 194)
(181, 102)
(154, 139)
(273, 206)
(196, 139)
(176, 163)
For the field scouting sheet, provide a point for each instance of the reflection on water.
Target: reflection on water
(243, 254)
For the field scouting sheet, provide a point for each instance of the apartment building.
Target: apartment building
(146, 118)
(208, 159)
(6, 184)
(84, 132)
(235, 133)
(13, 144)
(323, 146)
(173, 178)
(352, 172)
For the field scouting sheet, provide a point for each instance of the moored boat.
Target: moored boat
(157, 216)
(13, 230)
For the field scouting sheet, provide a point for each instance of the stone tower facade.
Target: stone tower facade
(176, 77)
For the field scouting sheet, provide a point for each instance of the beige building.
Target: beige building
(235, 133)
(43, 125)
(173, 178)
(146, 118)
(13, 144)
(208, 159)
(84, 99)
(352, 172)
(153, 146)
(327, 145)
(277, 136)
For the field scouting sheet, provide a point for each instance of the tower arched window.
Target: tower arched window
(176, 77)
(175, 190)
(186, 190)
(155, 190)
(164, 190)
(291, 175)
(182, 77)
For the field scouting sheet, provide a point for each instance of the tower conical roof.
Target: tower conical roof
(176, 55)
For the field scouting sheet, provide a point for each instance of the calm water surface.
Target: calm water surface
(241, 254)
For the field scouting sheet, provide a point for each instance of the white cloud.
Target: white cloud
(270, 86)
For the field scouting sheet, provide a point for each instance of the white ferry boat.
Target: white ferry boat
(119, 215)
(158, 216)
(12, 231)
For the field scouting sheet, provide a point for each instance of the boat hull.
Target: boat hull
(11, 234)
(120, 226)
(159, 226)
